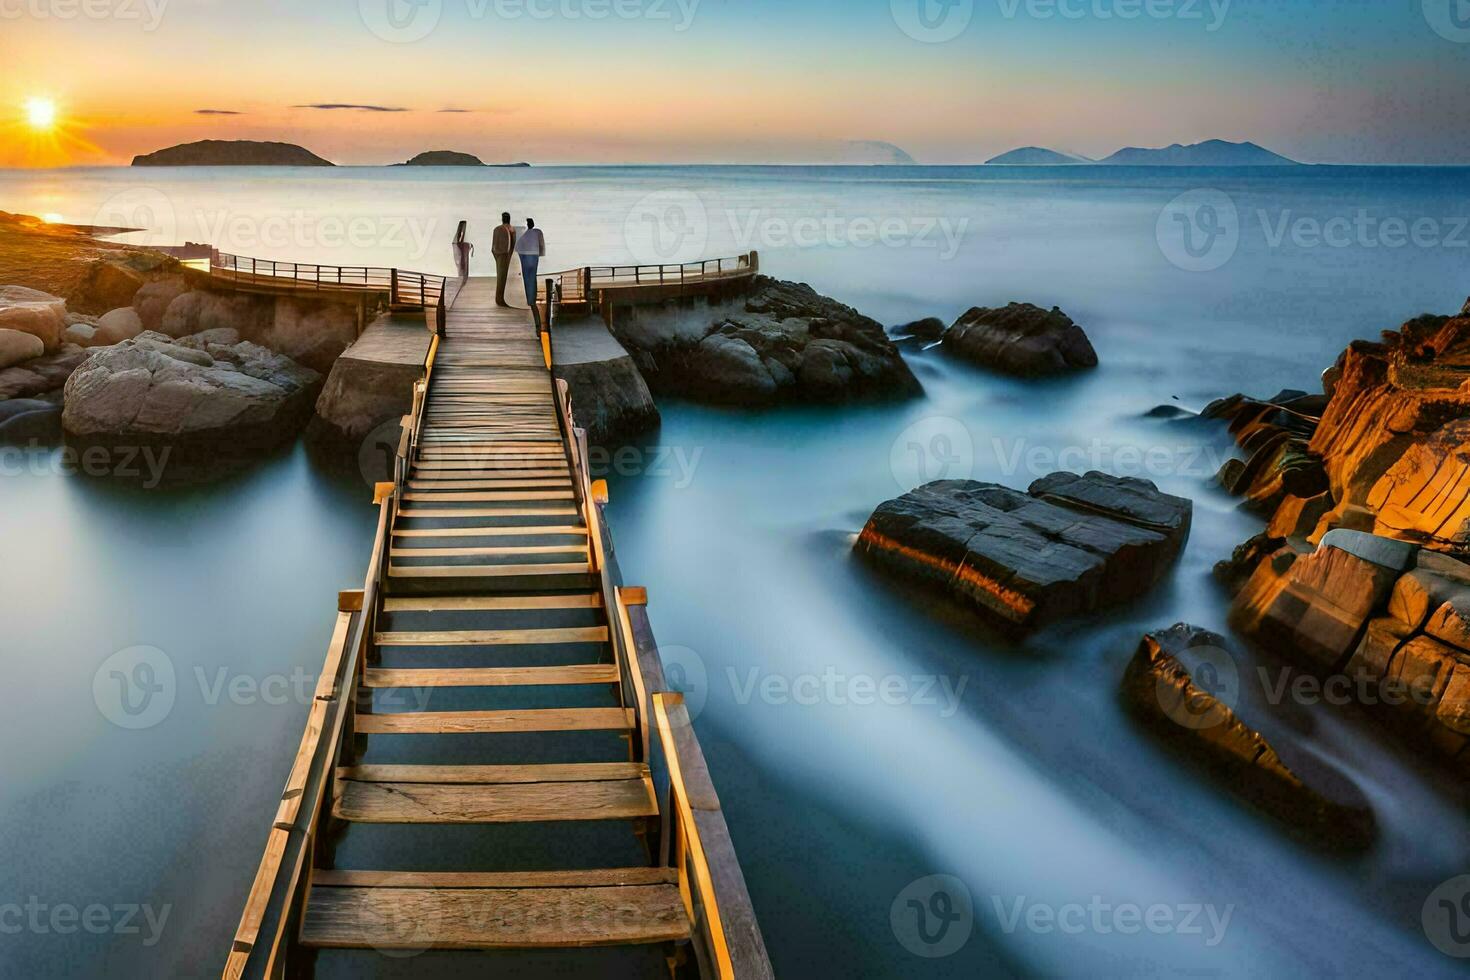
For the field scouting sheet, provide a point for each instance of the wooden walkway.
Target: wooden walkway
(497, 614)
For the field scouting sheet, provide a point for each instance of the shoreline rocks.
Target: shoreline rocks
(1020, 339)
(780, 342)
(1388, 618)
(32, 312)
(1177, 704)
(1070, 545)
(211, 403)
(608, 395)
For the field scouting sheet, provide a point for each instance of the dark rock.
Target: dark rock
(927, 330)
(780, 342)
(1236, 570)
(1069, 546)
(43, 374)
(1190, 711)
(1021, 339)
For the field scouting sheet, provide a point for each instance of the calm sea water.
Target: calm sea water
(1010, 769)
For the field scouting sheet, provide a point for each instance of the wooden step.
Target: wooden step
(489, 551)
(513, 720)
(474, 603)
(430, 512)
(527, 531)
(492, 910)
(485, 571)
(491, 676)
(485, 496)
(517, 802)
(487, 638)
(559, 772)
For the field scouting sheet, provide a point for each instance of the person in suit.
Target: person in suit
(530, 247)
(502, 246)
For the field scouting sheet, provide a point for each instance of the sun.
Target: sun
(40, 113)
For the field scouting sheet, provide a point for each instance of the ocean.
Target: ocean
(1083, 848)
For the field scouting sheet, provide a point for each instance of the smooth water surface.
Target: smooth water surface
(1010, 768)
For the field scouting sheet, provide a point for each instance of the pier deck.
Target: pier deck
(494, 610)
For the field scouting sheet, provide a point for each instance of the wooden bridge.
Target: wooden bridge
(493, 759)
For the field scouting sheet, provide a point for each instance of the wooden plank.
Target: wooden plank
(431, 513)
(490, 550)
(580, 878)
(491, 676)
(561, 772)
(515, 720)
(475, 603)
(501, 918)
(486, 496)
(485, 571)
(526, 530)
(465, 803)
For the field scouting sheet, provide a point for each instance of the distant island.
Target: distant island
(232, 153)
(1037, 156)
(1211, 153)
(452, 158)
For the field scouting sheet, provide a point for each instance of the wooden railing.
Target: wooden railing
(692, 837)
(582, 286)
(400, 287)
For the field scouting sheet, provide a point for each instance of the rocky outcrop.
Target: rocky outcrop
(1384, 616)
(443, 158)
(608, 396)
(152, 300)
(370, 385)
(1069, 546)
(203, 399)
(780, 342)
(1020, 339)
(1390, 452)
(313, 332)
(1174, 686)
(919, 333)
(30, 311)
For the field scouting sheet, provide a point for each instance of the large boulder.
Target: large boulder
(209, 398)
(780, 342)
(199, 310)
(17, 347)
(117, 326)
(608, 396)
(153, 298)
(311, 332)
(1174, 686)
(31, 311)
(1070, 545)
(1020, 339)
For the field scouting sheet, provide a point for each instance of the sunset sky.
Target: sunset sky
(549, 81)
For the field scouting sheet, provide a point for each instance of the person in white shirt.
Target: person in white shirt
(530, 247)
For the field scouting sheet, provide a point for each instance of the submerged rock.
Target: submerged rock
(1070, 545)
(1020, 339)
(26, 420)
(1188, 710)
(218, 399)
(782, 341)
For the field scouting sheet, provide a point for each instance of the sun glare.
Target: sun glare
(40, 113)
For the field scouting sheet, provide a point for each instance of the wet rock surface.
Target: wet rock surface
(1020, 339)
(780, 342)
(1182, 684)
(1070, 545)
